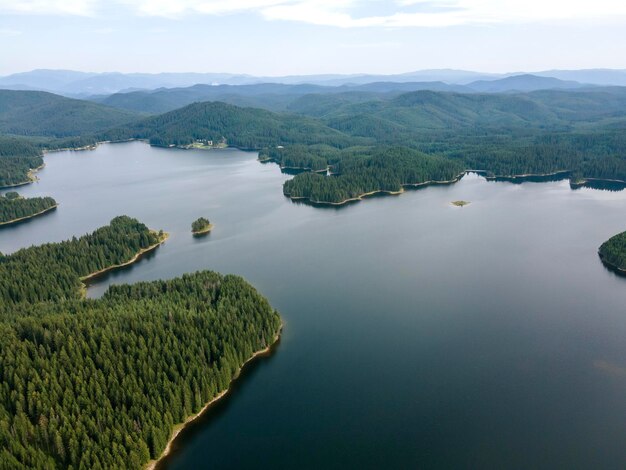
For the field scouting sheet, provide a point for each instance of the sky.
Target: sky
(293, 37)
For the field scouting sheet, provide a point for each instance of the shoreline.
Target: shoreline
(93, 146)
(21, 219)
(360, 197)
(617, 270)
(139, 254)
(483, 173)
(298, 168)
(178, 428)
(303, 169)
(204, 231)
(584, 181)
(32, 178)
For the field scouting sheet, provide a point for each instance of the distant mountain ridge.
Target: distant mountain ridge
(523, 83)
(73, 83)
(281, 97)
(271, 96)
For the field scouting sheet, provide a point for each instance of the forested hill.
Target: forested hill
(420, 118)
(241, 127)
(423, 110)
(37, 113)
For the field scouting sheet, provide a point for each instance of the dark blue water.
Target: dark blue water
(417, 334)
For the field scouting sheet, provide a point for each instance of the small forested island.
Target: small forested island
(201, 226)
(102, 383)
(14, 208)
(613, 252)
(460, 203)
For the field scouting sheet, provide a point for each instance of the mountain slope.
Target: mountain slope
(37, 113)
(241, 127)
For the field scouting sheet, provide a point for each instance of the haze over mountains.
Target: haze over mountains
(74, 83)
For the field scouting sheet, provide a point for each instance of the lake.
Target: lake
(417, 334)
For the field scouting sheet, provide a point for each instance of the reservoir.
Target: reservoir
(417, 334)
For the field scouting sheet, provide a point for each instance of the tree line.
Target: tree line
(13, 207)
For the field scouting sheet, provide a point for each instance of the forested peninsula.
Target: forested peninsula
(380, 170)
(18, 158)
(101, 383)
(14, 209)
(613, 252)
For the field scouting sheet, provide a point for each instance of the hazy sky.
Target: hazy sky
(276, 37)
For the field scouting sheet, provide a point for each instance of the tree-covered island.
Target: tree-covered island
(201, 226)
(613, 252)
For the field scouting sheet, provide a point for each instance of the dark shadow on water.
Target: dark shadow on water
(294, 171)
(110, 275)
(601, 185)
(220, 407)
(306, 202)
(336, 207)
(201, 237)
(560, 176)
(613, 269)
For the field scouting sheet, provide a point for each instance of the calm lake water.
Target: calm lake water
(417, 334)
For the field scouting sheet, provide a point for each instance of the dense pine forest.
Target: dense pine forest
(13, 207)
(613, 251)
(101, 383)
(52, 272)
(17, 157)
(380, 169)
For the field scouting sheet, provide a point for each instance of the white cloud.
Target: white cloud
(48, 7)
(346, 13)
(175, 8)
(9, 32)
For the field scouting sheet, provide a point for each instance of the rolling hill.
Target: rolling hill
(241, 127)
(37, 113)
